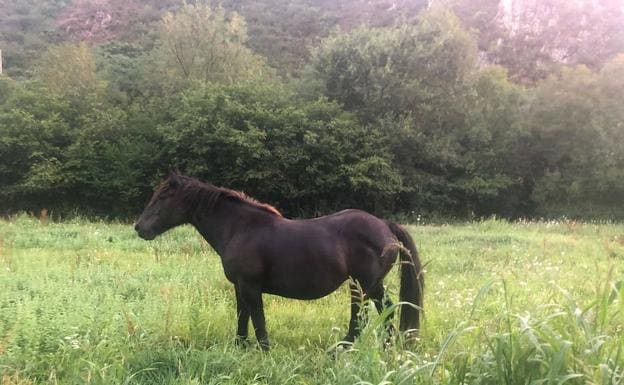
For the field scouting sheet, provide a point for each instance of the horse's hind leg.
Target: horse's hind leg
(377, 294)
(357, 299)
(382, 303)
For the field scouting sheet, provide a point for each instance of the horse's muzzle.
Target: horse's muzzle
(144, 234)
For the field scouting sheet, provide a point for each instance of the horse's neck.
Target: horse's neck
(227, 219)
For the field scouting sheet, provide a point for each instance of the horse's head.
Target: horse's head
(165, 210)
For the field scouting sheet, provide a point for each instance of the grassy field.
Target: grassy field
(506, 303)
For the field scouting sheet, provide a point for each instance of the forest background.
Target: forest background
(403, 108)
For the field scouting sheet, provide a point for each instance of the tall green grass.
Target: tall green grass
(506, 303)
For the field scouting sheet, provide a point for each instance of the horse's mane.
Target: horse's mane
(206, 196)
(242, 197)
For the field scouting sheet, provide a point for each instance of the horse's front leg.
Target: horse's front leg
(242, 314)
(251, 296)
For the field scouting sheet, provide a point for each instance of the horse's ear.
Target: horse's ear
(174, 180)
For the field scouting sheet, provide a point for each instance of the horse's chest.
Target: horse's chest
(238, 268)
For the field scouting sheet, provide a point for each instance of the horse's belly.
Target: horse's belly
(305, 285)
(301, 293)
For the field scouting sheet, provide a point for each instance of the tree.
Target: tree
(494, 146)
(208, 45)
(34, 135)
(377, 71)
(283, 32)
(68, 70)
(577, 136)
(27, 27)
(112, 162)
(611, 118)
(311, 159)
(416, 83)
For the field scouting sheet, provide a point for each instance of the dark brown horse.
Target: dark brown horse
(263, 252)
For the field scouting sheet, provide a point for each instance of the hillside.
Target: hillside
(526, 36)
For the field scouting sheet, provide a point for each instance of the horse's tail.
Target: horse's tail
(412, 280)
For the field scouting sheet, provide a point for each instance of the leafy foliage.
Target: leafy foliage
(283, 32)
(449, 125)
(26, 28)
(310, 158)
(578, 137)
(208, 45)
(68, 70)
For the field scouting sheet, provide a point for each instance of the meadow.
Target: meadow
(84, 302)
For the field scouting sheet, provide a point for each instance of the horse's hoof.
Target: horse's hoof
(345, 344)
(348, 339)
(338, 348)
(241, 342)
(264, 345)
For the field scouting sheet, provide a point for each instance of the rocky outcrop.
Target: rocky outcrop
(566, 31)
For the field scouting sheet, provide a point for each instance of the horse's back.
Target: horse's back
(355, 226)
